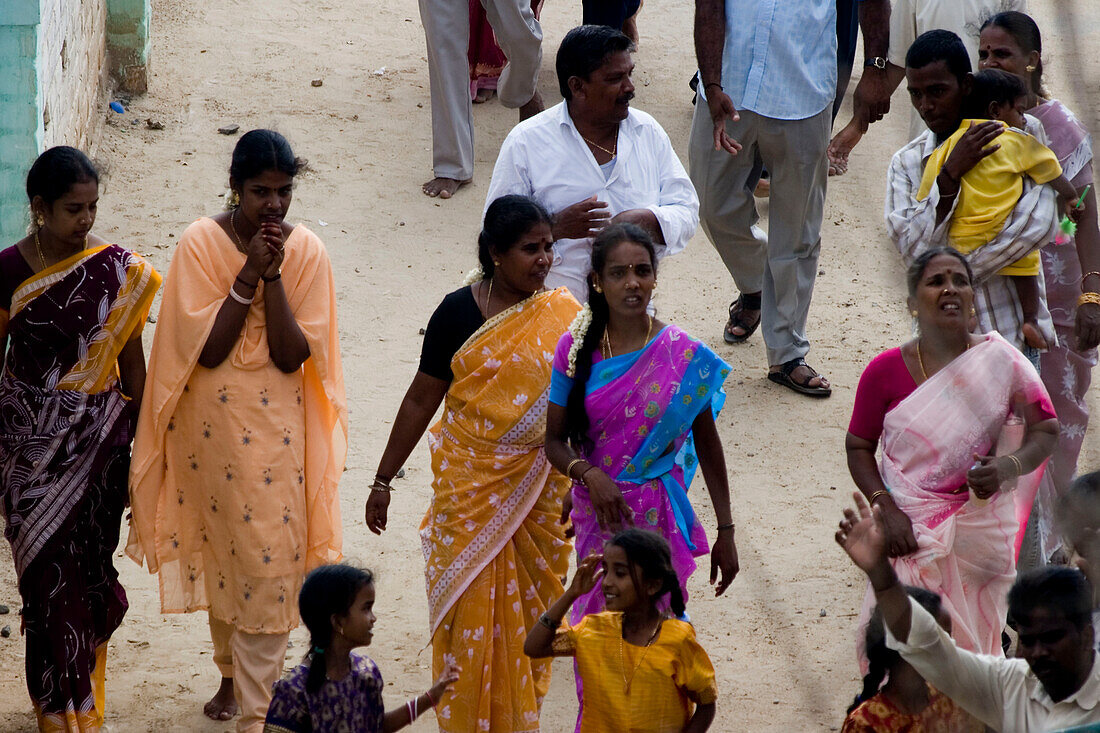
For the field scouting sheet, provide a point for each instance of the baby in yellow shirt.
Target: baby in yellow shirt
(990, 190)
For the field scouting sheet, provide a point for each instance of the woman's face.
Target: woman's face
(70, 218)
(525, 265)
(627, 278)
(944, 296)
(999, 49)
(266, 197)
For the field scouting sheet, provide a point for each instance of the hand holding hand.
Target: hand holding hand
(582, 219)
(589, 572)
(723, 557)
(272, 233)
(446, 679)
(722, 109)
(612, 511)
(972, 148)
(378, 504)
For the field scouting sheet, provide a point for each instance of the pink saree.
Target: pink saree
(966, 549)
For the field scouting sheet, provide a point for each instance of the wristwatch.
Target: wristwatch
(878, 62)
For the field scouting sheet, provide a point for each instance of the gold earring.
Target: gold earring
(973, 311)
(1030, 68)
(913, 313)
(597, 288)
(40, 221)
(496, 263)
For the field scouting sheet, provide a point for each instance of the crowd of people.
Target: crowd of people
(574, 419)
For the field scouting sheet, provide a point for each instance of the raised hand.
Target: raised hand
(448, 677)
(589, 572)
(863, 536)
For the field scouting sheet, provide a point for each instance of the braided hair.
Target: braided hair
(880, 658)
(649, 553)
(328, 591)
(587, 339)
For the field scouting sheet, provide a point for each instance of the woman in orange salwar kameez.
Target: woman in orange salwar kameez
(237, 457)
(494, 548)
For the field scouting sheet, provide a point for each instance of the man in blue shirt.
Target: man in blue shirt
(768, 76)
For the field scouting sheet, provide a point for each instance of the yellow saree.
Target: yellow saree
(495, 552)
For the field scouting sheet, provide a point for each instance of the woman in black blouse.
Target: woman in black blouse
(493, 544)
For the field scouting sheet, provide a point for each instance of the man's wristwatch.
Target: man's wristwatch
(878, 62)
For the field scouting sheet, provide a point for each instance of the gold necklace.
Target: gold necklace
(607, 340)
(233, 230)
(611, 152)
(920, 361)
(489, 298)
(645, 650)
(38, 247)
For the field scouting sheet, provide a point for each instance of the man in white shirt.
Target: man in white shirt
(938, 76)
(594, 160)
(1055, 686)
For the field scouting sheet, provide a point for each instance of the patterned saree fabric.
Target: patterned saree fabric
(494, 549)
(641, 407)
(235, 469)
(966, 550)
(64, 450)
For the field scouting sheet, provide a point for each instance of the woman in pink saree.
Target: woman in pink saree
(965, 426)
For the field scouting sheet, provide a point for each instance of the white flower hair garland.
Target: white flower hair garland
(475, 275)
(578, 328)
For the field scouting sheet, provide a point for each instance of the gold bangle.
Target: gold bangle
(877, 494)
(569, 468)
(584, 473)
(380, 485)
(1089, 274)
(1016, 462)
(1089, 297)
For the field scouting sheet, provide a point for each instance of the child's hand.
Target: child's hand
(1074, 213)
(588, 574)
(448, 678)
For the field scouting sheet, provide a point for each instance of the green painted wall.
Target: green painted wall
(20, 120)
(128, 41)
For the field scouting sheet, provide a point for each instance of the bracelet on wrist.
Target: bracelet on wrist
(725, 526)
(583, 474)
(432, 700)
(244, 282)
(876, 495)
(569, 468)
(1090, 274)
(710, 84)
(381, 485)
(273, 278)
(1016, 463)
(238, 297)
(548, 622)
(1089, 297)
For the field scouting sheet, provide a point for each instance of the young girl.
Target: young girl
(641, 671)
(334, 688)
(991, 189)
(906, 702)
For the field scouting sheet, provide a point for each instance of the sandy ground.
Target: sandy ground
(782, 637)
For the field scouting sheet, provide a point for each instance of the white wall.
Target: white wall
(72, 66)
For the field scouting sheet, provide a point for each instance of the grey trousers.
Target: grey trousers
(447, 30)
(782, 264)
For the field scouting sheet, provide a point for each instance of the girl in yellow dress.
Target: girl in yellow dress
(642, 672)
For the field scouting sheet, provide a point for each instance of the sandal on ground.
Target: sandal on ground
(783, 376)
(744, 302)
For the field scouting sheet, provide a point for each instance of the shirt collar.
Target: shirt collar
(1087, 696)
(565, 120)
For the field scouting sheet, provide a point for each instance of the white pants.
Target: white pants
(447, 30)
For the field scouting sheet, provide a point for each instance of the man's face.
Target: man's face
(607, 92)
(1059, 653)
(937, 96)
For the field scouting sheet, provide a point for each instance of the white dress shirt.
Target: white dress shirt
(912, 227)
(1002, 693)
(545, 157)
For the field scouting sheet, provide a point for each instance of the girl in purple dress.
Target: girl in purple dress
(335, 688)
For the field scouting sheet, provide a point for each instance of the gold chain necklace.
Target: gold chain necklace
(611, 152)
(645, 650)
(607, 339)
(233, 230)
(38, 248)
(489, 297)
(920, 361)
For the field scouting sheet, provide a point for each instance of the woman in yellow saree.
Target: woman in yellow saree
(72, 309)
(494, 548)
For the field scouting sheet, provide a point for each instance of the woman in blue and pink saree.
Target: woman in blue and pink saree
(72, 309)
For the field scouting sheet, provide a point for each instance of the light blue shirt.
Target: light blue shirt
(779, 60)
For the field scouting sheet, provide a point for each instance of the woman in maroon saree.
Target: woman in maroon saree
(71, 313)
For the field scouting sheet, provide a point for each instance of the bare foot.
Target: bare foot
(1033, 337)
(841, 146)
(532, 108)
(483, 96)
(444, 188)
(223, 706)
